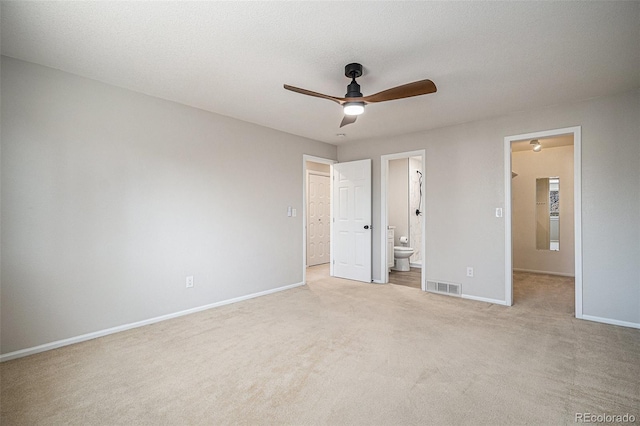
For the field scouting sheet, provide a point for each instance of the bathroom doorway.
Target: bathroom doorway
(543, 218)
(403, 219)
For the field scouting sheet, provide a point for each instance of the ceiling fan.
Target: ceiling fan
(353, 103)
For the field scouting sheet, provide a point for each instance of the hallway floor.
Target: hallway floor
(544, 293)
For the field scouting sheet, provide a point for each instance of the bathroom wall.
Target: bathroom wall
(415, 222)
(404, 199)
(529, 166)
(398, 196)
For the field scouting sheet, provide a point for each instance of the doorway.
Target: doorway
(349, 217)
(316, 214)
(543, 210)
(403, 218)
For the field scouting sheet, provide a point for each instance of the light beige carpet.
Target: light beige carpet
(341, 353)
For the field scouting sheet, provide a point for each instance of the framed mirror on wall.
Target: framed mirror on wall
(548, 213)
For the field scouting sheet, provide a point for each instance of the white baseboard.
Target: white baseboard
(533, 271)
(584, 317)
(89, 336)
(611, 321)
(377, 281)
(415, 264)
(484, 299)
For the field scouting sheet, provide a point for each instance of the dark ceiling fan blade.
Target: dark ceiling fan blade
(316, 94)
(417, 88)
(348, 119)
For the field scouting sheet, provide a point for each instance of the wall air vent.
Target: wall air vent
(443, 288)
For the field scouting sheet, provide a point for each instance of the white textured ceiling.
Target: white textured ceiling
(232, 58)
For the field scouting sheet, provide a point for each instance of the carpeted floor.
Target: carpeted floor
(341, 353)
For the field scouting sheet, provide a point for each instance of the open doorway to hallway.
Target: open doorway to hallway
(542, 216)
(347, 209)
(316, 216)
(318, 213)
(543, 220)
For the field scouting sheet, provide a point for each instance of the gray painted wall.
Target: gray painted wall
(110, 198)
(464, 180)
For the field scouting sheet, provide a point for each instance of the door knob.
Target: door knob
(366, 227)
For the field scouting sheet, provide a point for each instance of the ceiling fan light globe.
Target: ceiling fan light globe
(353, 108)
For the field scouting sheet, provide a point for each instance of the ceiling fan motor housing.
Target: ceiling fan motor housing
(353, 71)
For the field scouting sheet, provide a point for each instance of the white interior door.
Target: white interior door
(351, 201)
(318, 219)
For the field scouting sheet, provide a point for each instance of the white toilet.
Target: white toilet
(402, 254)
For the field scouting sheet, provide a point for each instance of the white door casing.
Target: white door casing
(318, 219)
(351, 249)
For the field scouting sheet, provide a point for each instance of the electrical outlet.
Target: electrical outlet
(469, 271)
(294, 212)
(190, 281)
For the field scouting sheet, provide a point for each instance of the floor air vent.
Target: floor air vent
(443, 288)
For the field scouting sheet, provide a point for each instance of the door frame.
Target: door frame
(576, 131)
(384, 213)
(320, 160)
